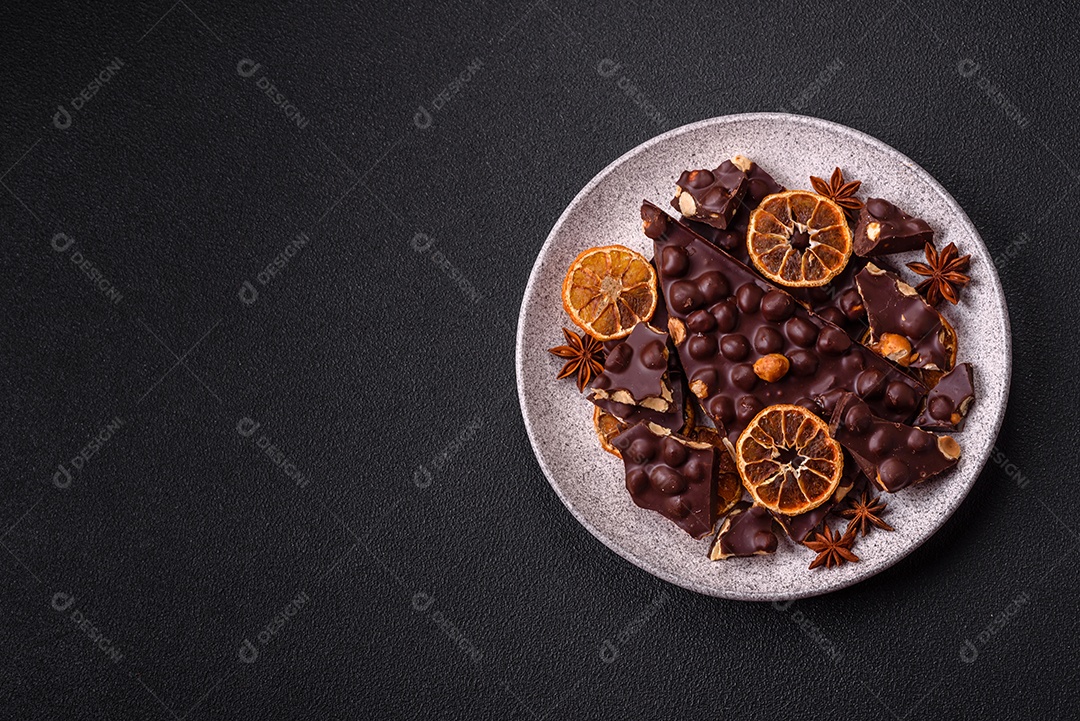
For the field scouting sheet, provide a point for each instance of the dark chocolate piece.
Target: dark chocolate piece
(903, 326)
(674, 419)
(948, 402)
(747, 531)
(893, 455)
(671, 475)
(883, 229)
(759, 185)
(724, 317)
(635, 371)
(711, 196)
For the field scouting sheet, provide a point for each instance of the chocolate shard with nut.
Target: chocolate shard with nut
(636, 370)
(732, 239)
(675, 418)
(747, 531)
(948, 402)
(893, 455)
(730, 326)
(883, 229)
(903, 326)
(710, 196)
(672, 475)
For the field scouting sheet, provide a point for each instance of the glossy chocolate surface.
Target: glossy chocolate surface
(948, 402)
(883, 228)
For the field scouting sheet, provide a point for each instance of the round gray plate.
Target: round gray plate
(559, 419)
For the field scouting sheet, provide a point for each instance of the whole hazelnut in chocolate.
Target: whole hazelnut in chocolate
(901, 396)
(870, 384)
(674, 262)
(801, 332)
(726, 315)
(684, 296)
(654, 355)
(713, 286)
(833, 341)
(701, 347)
(735, 347)
(744, 376)
(777, 305)
(803, 363)
(772, 367)
(768, 340)
(700, 321)
(748, 297)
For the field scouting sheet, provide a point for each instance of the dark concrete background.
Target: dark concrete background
(321, 500)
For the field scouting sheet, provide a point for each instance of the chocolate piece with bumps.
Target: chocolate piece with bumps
(674, 419)
(883, 229)
(731, 326)
(893, 455)
(635, 370)
(903, 326)
(948, 402)
(671, 475)
(711, 196)
(759, 185)
(838, 301)
(747, 531)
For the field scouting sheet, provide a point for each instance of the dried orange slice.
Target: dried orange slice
(608, 290)
(798, 238)
(788, 461)
(607, 427)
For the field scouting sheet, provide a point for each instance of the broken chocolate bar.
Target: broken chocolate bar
(671, 475)
(948, 402)
(635, 371)
(893, 455)
(883, 229)
(903, 326)
(759, 185)
(729, 487)
(710, 196)
(747, 531)
(674, 418)
(725, 318)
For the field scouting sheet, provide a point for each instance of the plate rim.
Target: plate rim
(923, 175)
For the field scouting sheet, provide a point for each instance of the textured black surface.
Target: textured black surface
(390, 387)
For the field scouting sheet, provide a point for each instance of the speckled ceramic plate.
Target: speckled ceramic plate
(558, 418)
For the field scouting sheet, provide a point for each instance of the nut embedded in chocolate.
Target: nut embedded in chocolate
(747, 531)
(893, 455)
(903, 326)
(883, 229)
(711, 196)
(728, 324)
(672, 475)
(948, 402)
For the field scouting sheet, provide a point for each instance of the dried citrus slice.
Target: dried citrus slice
(798, 238)
(608, 290)
(607, 427)
(788, 461)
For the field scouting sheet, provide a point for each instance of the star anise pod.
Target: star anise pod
(866, 512)
(836, 190)
(945, 273)
(832, 549)
(585, 357)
